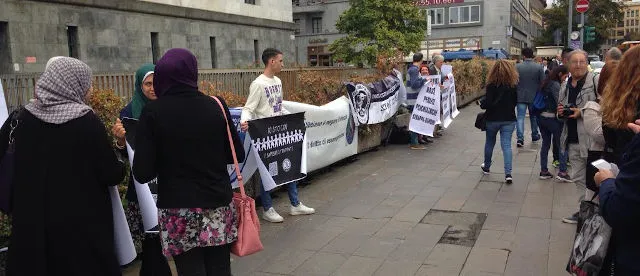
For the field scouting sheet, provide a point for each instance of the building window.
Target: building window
(464, 14)
(256, 52)
(296, 22)
(252, 2)
(437, 16)
(214, 54)
(72, 41)
(316, 25)
(155, 51)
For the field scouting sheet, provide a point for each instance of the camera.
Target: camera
(566, 110)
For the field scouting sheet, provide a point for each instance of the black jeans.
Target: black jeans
(204, 261)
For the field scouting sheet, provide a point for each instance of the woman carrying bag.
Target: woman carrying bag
(182, 139)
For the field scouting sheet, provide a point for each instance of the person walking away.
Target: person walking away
(620, 104)
(500, 103)
(265, 100)
(550, 126)
(579, 89)
(414, 84)
(142, 94)
(531, 76)
(620, 207)
(62, 223)
(181, 139)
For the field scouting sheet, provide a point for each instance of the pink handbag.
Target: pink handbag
(248, 224)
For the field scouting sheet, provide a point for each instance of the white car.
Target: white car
(597, 66)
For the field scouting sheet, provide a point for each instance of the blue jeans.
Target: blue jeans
(292, 189)
(506, 132)
(413, 138)
(551, 128)
(521, 113)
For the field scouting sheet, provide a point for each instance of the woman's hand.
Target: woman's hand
(635, 126)
(560, 110)
(577, 113)
(118, 131)
(602, 175)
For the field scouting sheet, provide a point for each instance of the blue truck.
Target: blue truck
(463, 54)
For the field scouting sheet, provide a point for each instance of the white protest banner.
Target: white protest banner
(375, 102)
(4, 112)
(331, 134)
(446, 107)
(426, 111)
(451, 83)
(436, 79)
(249, 166)
(147, 203)
(125, 250)
(446, 69)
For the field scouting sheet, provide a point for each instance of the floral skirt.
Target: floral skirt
(134, 219)
(184, 229)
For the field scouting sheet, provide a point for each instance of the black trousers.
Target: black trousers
(204, 261)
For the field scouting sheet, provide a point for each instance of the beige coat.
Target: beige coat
(592, 117)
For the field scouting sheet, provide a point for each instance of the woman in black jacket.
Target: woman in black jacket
(64, 166)
(500, 104)
(182, 139)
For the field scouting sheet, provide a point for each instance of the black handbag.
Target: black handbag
(7, 164)
(481, 121)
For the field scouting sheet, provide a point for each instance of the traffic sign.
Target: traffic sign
(582, 6)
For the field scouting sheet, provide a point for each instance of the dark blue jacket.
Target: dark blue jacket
(620, 208)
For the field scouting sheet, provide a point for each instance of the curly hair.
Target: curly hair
(503, 73)
(622, 92)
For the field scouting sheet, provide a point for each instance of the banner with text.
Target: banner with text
(278, 144)
(250, 165)
(446, 106)
(426, 112)
(374, 102)
(451, 85)
(331, 132)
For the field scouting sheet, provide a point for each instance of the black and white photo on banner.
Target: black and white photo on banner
(375, 102)
(279, 143)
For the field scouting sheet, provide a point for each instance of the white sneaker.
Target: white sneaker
(301, 210)
(272, 216)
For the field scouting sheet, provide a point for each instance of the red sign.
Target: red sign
(436, 2)
(30, 60)
(582, 6)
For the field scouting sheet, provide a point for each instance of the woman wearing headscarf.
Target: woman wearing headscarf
(182, 139)
(64, 163)
(141, 96)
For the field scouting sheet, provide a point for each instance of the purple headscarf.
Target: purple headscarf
(178, 68)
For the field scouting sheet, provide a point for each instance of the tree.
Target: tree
(602, 14)
(379, 27)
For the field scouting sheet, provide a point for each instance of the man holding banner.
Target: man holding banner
(265, 100)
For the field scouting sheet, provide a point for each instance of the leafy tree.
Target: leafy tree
(602, 14)
(379, 27)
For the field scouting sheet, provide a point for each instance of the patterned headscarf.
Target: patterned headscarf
(139, 100)
(176, 71)
(61, 91)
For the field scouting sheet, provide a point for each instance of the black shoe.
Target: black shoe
(508, 179)
(520, 143)
(485, 171)
(425, 141)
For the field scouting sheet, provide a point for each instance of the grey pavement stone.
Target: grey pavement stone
(416, 209)
(448, 257)
(315, 240)
(500, 222)
(486, 260)
(345, 244)
(492, 239)
(377, 247)
(287, 261)
(365, 226)
(398, 268)
(526, 265)
(434, 270)
(322, 263)
(395, 229)
(357, 265)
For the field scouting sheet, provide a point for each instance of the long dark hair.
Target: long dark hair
(553, 76)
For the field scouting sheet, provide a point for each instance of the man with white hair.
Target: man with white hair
(613, 54)
(574, 94)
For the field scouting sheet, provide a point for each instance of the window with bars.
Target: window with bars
(316, 25)
(437, 16)
(296, 22)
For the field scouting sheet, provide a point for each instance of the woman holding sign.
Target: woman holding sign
(500, 104)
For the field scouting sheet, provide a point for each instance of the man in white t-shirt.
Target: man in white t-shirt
(265, 100)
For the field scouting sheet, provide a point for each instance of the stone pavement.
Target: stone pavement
(398, 211)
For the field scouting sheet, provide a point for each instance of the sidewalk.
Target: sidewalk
(398, 211)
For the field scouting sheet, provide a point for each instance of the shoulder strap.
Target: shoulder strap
(233, 148)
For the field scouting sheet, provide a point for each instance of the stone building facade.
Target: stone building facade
(119, 35)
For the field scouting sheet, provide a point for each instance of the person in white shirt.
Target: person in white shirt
(265, 100)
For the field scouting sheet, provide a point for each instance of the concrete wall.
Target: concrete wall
(118, 37)
(279, 10)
